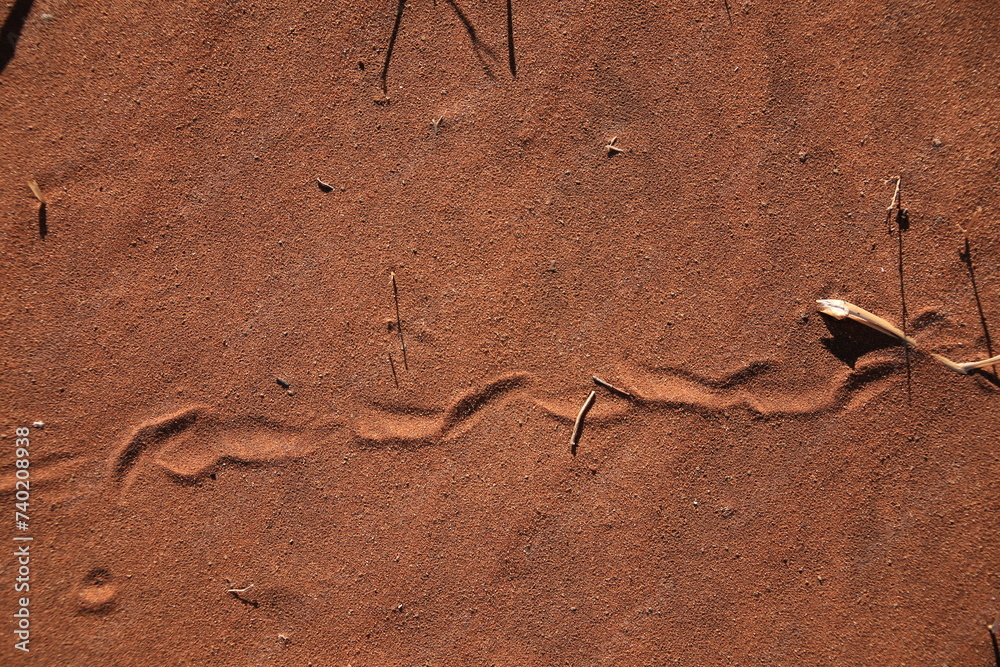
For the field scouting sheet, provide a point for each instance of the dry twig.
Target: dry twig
(578, 426)
(841, 309)
(612, 149)
(613, 389)
(37, 191)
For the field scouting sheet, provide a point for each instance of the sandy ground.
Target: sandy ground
(780, 488)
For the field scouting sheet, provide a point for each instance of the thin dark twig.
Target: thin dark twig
(728, 13)
(392, 43)
(399, 320)
(510, 40)
(392, 365)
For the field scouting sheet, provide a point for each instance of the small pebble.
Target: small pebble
(38, 425)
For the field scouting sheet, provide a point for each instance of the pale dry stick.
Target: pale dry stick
(968, 366)
(37, 191)
(841, 309)
(42, 207)
(613, 389)
(612, 149)
(965, 232)
(399, 321)
(894, 204)
(239, 591)
(436, 124)
(578, 426)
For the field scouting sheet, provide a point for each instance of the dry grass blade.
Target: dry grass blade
(578, 426)
(893, 210)
(612, 149)
(841, 309)
(966, 367)
(613, 389)
(37, 191)
(239, 591)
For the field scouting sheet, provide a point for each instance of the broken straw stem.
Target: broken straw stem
(613, 389)
(37, 191)
(894, 205)
(966, 367)
(578, 425)
(841, 309)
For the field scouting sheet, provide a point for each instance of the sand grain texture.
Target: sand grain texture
(780, 488)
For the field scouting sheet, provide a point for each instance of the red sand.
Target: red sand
(759, 501)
